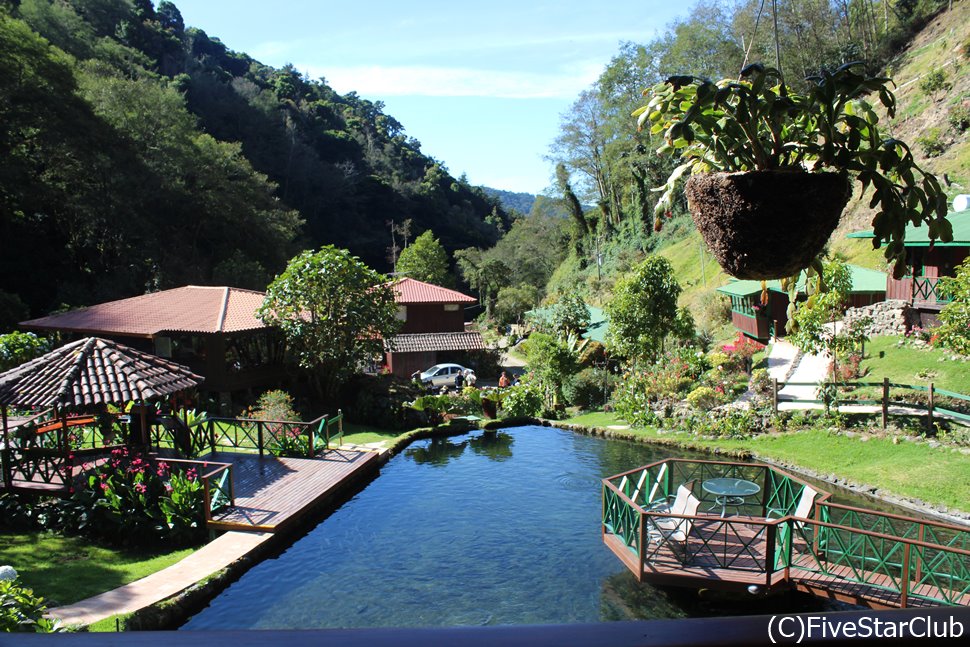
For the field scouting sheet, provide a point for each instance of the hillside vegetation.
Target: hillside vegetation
(139, 153)
(924, 46)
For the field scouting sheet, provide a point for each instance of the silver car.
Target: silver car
(439, 375)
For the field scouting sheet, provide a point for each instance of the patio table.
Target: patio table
(729, 492)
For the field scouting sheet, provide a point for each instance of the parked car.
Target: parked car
(439, 375)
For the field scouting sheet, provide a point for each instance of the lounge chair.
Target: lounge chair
(674, 531)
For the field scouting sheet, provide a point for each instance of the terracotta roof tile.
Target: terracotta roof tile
(93, 371)
(434, 341)
(194, 309)
(408, 290)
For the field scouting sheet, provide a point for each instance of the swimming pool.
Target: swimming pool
(480, 529)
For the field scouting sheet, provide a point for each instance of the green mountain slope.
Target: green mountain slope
(139, 154)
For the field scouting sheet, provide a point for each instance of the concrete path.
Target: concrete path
(811, 370)
(209, 559)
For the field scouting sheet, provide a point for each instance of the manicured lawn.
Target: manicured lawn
(64, 570)
(908, 365)
(362, 434)
(935, 475)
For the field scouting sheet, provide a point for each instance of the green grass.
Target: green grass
(363, 434)
(938, 476)
(64, 570)
(908, 365)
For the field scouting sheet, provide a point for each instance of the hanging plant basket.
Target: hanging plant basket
(766, 224)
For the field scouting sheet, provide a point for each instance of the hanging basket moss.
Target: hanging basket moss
(766, 224)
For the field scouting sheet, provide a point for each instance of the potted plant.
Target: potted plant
(770, 169)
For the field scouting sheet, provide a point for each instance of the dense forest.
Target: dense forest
(141, 154)
(604, 162)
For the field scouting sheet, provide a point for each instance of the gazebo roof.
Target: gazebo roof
(93, 371)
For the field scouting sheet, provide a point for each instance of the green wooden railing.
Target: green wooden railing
(280, 437)
(909, 558)
(216, 480)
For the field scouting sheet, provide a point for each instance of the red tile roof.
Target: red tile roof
(408, 290)
(193, 309)
(434, 341)
(93, 371)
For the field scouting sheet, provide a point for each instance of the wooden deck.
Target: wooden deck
(732, 557)
(271, 493)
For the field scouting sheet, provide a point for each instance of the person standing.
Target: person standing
(503, 380)
(459, 380)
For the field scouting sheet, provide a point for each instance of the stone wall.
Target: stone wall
(893, 317)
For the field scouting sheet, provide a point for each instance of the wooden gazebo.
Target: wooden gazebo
(39, 451)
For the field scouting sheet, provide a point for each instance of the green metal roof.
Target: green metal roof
(863, 280)
(920, 236)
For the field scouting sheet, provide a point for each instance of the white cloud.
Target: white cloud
(381, 80)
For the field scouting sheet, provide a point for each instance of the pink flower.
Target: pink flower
(140, 488)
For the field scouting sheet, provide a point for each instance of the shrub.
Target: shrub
(19, 347)
(524, 400)
(273, 405)
(959, 117)
(934, 82)
(20, 610)
(129, 500)
(704, 398)
(932, 142)
(734, 423)
(589, 388)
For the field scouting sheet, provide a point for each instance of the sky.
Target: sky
(481, 85)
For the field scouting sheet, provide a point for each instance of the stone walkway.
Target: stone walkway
(211, 558)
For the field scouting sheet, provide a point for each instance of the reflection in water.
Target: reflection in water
(439, 452)
(494, 445)
(498, 537)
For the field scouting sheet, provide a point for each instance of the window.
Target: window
(402, 313)
(451, 307)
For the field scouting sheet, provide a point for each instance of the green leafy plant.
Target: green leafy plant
(523, 400)
(758, 123)
(20, 610)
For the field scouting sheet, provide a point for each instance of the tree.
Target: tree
(335, 313)
(954, 330)
(643, 310)
(19, 347)
(570, 314)
(513, 301)
(550, 362)
(813, 323)
(425, 260)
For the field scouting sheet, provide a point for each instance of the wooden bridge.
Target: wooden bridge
(665, 525)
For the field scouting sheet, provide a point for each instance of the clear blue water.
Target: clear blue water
(468, 530)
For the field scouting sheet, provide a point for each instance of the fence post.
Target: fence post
(310, 440)
(929, 409)
(259, 436)
(885, 402)
(774, 395)
(212, 435)
(904, 578)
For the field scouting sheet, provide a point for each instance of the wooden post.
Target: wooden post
(929, 409)
(5, 453)
(885, 402)
(904, 578)
(774, 396)
(770, 539)
(259, 436)
(310, 441)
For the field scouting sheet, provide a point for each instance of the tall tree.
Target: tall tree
(643, 309)
(426, 260)
(335, 313)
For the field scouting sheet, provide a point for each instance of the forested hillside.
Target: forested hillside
(138, 153)
(611, 165)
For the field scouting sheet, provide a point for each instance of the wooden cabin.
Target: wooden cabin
(764, 321)
(927, 263)
(433, 328)
(212, 330)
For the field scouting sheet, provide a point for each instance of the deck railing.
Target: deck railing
(907, 557)
(217, 487)
(281, 437)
